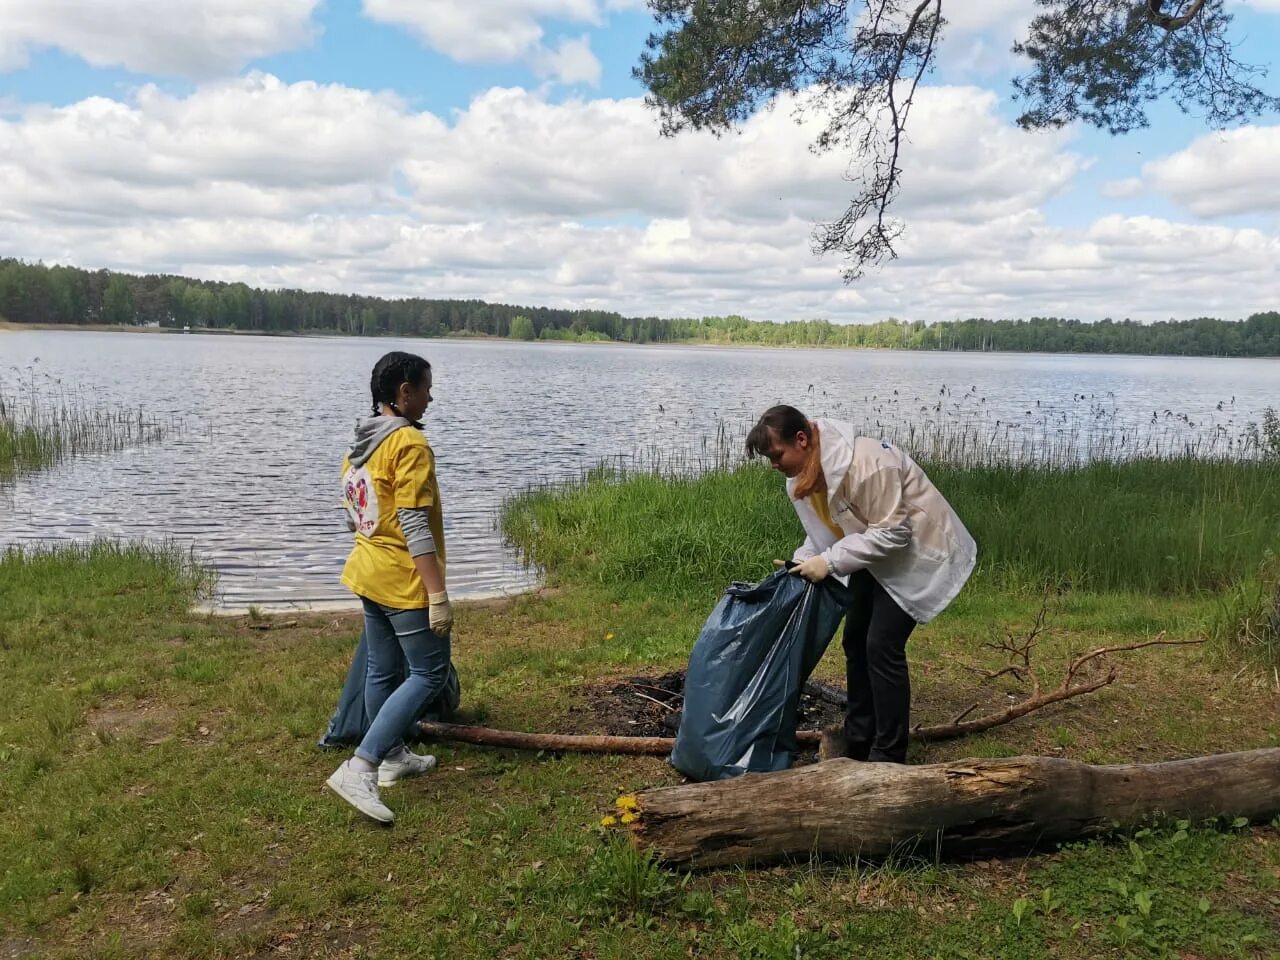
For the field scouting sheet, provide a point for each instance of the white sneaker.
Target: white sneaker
(405, 763)
(360, 789)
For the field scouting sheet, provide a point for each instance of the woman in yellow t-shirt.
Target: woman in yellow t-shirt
(397, 568)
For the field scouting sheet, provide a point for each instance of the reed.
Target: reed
(39, 428)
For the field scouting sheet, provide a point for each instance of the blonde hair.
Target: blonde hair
(810, 479)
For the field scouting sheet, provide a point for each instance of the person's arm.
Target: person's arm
(415, 524)
(878, 495)
(429, 571)
(414, 501)
(804, 551)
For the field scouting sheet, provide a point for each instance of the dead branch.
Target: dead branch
(964, 713)
(825, 692)
(1019, 650)
(655, 689)
(569, 743)
(645, 696)
(1068, 688)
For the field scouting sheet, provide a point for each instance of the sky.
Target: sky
(501, 150)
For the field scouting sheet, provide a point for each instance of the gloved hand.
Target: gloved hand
(440, 613)
(814, 569)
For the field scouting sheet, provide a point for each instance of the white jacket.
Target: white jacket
(896, 524)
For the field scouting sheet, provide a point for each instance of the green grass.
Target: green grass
(161, 794)
(1153, 526)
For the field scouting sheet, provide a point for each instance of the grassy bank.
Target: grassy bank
(160, 792)
(1156, 526)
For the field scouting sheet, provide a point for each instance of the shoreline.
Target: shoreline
(7, 326)
(482, 598)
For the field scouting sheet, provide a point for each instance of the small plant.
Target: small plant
(1063, 737)
(781, 940)
(1266, 440)
(1248, 619)
(623, 880)
(1046, 904)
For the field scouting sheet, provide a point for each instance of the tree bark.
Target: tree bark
(1155, 10)
(846, 808)
(572, 743)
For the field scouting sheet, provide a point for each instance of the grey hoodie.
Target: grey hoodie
(414, 521)
(370, 432)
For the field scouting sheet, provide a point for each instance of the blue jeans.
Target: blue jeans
(389, 632)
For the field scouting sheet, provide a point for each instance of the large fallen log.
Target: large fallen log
(846, 808)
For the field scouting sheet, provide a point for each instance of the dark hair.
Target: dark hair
(786, 421)
(393, 369)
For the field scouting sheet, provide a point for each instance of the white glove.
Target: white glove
(440, 613)
(814, 569)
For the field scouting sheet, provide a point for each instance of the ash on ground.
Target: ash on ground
(649, 706)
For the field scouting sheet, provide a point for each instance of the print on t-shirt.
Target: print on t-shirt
(360, 499)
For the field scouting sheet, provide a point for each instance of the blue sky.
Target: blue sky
(497, 148)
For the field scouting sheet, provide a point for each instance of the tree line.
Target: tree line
(34, 293)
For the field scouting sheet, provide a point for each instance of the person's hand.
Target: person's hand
(440, 613)
(814, 569)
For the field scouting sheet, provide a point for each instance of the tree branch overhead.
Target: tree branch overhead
(857, 67)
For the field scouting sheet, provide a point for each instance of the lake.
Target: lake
(248, 475)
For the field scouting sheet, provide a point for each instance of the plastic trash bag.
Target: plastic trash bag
(349, 722)
(742, 687)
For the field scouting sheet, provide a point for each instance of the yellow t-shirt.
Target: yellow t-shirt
(818, 500)
(401, 473)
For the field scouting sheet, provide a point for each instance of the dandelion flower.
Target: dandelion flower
(608, 821)
(608, 636)
(628, 817)
(627, 802)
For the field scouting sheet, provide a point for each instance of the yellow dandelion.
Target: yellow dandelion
(608, 636)
(608, 821)
(627, 802)
(628, 817)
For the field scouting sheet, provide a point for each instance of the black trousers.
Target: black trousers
(875, 648)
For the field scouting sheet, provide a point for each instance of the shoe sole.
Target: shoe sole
(372, 815)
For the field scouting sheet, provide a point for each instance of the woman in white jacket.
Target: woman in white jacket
(869, 513)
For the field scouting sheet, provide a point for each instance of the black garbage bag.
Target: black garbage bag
(746, 671)
(350, 722)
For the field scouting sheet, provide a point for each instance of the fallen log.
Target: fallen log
(571, 743)
(846, 808)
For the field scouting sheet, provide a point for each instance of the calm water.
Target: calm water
(250, 480)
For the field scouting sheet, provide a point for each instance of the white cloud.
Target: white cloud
(1122, 189)
(512, 151)
(502, 31)
(1224, 173)
(252, 146)
(581, 203)
(980, 35)
(570, 62)
(212, 38)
